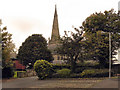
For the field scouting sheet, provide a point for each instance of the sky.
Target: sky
(26, 17)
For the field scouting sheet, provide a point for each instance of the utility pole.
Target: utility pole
(109, 54)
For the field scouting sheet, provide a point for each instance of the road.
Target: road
(22, 83)
(108, 83)
(33, 82)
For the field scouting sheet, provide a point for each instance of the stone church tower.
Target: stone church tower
(54, 42)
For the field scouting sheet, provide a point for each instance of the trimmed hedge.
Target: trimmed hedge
(63, 73)
(95, 73)
(87, 73)
(91, 73)
(83, 70)
(79, 67)
(75, 75)
(43, 69)
(61, 66)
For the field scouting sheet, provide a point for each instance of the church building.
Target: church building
(54, 42)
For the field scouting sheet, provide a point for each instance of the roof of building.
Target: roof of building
(18, 65)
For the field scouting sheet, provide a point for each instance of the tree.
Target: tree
(7, 46)
(106, 22)
(34, 48)
(98, 47)
(96, 27)
(72, 47)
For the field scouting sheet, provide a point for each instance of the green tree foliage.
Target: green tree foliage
(107, 22)
(34, 48)
(43, 69)
(96, 28)
(7, 47)
(98, 47)
(72, 47)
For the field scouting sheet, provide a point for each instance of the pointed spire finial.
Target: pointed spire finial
(55, 6)
(55, 9)
(55, 28)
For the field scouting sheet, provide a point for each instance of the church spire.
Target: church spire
(55, 29)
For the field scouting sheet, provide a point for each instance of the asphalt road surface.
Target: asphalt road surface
(33, 82)
(108, 83)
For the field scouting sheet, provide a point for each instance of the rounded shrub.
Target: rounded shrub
(64, 72)
(43, 69)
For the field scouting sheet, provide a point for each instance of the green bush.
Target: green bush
(43, 69)
(88, 65)
(88, 73)
(80, 69)
(95, 73)
(64, 72)
(75, 75)
(61, 66)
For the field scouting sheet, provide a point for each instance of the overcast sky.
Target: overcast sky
(26, 17)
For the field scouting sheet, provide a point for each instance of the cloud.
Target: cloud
(119, 5)
(23, 25)
(26, 25)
